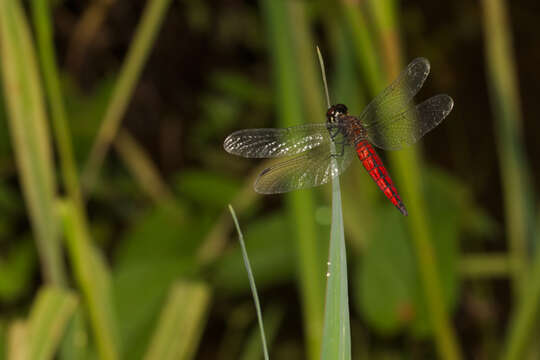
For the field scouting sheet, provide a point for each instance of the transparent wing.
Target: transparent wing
(308, 169)
(268, 143)
(397, 96)
(392, 120)
(406, 128)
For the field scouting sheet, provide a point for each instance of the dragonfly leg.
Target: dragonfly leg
(342, 151)
(334, 132)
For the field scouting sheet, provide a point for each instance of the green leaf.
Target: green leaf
(444, 195)
(386, 277)
(140, 261)
(388, 290)
(181, 322)
(30, 135)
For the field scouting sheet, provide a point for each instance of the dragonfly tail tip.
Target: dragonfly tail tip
(403, 210)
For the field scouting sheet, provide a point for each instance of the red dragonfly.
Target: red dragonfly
(315, 153)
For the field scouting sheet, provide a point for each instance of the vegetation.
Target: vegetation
(116, 239)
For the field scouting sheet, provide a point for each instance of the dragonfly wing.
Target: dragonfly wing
(311, 168)
(406, 128)
(269, 143)
(395, 98)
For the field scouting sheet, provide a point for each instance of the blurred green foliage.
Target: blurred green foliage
(211, 70)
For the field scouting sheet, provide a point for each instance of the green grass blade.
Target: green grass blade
(38, 337)
(364, 45)
(408, 167)
(42, 22)
(300, 204)
(251, 281)
(138, 53)
(143, 169)
(505, 103)
(49, 317)
(336, 342)
(524, 320)
(337, 334)
(94, 282)
(181, 322)
(30, 135)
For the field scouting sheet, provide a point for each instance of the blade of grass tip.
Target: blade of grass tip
(407, 164)
(323, 72)
(251, 281)
(30, 135)
(129, 74)
(300, 204)
(505, 103)
(336, 342)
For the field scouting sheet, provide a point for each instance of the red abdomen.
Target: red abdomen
(374, 166)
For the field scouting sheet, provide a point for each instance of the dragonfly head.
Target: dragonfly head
(335, 111)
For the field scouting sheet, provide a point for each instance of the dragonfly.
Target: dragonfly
(310, 155)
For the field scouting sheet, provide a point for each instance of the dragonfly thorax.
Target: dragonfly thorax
(334, 112)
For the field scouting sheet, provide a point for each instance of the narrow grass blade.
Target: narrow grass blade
(51, 312)
(181, 322)
(408, 166)
(142, 168)
(300, 204)
(337, 334)
(303, 45)
(251, 281)
(42, 22)
(336, 342)
(138, 53)
(30, 135)
(524, 320)
(39, 336)
(505, 103)
(94, 282)
(363, 44)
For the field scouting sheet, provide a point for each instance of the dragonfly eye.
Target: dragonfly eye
(341, 109)
(334, 111)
